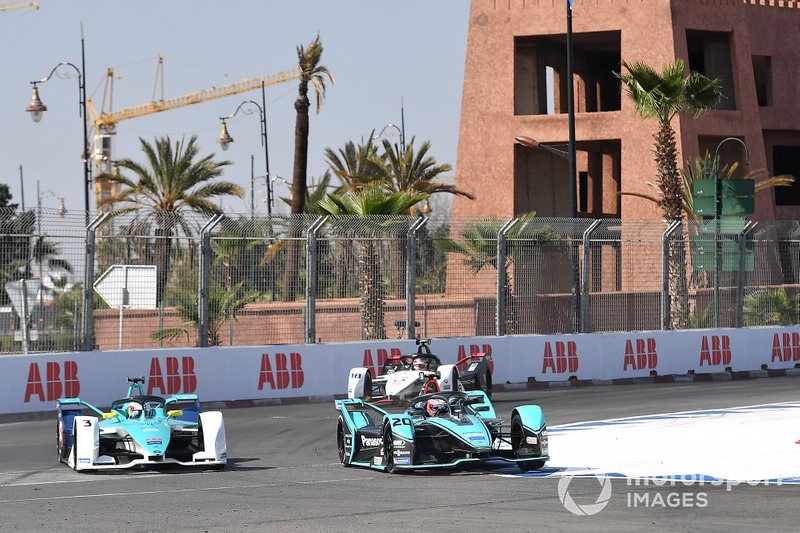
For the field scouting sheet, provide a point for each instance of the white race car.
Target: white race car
(405, 377)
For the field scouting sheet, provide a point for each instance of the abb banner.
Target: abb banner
(34, 382)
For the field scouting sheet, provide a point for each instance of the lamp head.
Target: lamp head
(36, 108)
(224, 138)
(524, 140)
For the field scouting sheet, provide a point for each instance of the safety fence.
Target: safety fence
(173, 280)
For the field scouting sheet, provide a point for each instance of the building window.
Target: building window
(540, 73)
(786, 160)
(710, 55)
(762, 72)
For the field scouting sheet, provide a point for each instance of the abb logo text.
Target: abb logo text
(70, 386)
(382, 355)
(644, 357)
(180, 376)
(284, 374)
(473, 349)
(785, 347)
(719, 351)
(565, 359)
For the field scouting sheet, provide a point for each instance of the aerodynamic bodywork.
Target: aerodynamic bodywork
(404, 377)
(439, 430)
(140, 429)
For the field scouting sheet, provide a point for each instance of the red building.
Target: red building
(515, 84)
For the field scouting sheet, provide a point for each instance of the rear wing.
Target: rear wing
(188, 403)
(76, 404)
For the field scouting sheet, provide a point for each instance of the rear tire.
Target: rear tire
(367, 387)
(486, 384)
(340, 442)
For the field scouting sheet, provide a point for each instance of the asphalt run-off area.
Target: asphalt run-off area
(680, 456)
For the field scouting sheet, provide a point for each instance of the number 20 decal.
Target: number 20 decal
(401, 422)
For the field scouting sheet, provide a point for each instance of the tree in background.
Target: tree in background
(311, 72)
(663, 96)
(367, 201)
(168, 184)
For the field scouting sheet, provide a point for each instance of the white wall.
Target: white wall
(34, 382)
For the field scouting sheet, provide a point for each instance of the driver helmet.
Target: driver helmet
(436, 407)
(420, 363)
(134, 409)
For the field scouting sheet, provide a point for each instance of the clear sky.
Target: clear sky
(377, 50)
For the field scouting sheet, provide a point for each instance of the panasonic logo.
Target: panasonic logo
(371, 442)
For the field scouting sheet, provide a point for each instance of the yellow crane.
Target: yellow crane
(104, 122)
(10, 6)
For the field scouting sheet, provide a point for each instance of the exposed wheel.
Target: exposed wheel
(487, 384)
(60, 441)
(388, 449)
(75, 446)
(368, 387)
(340, 441)
(518, 442)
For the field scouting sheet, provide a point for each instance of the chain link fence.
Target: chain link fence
(189, 280)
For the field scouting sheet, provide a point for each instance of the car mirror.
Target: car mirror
(175, 412)
(110, 415)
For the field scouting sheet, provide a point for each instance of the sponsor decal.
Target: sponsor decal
(785, 347)
(378, 461)
(180, 376)
(644, 357)
(56, 387)
(564, 360)
(402, 461)
(287, 372)
(153, 442)
(149, 429)
(370, 441)
(475, 436)
(401, 452)
(531, 440)
(719, 351)
(84, 460)
(398, 442)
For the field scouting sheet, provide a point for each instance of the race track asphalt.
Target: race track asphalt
(284, 475)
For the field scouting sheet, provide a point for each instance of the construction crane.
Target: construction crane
(10, 6)
(104, 122)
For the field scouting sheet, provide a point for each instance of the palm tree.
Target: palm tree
(478, 245)
(168, 184)
(314, 73)
(223, 305)
(368, 201)
(354, 165)
(663, 96)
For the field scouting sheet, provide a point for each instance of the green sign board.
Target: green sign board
(729, 188)
(730, 206)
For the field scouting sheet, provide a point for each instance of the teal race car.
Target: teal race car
(140, 430)
(439, 430)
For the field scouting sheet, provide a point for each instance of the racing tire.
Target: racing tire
(340, 442)
(367, 387)
(388, 448)
(485, 384)
(74, 451)
(59, 442)
(201, 444)
(517, 436)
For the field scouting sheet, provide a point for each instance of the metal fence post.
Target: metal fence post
(411, 276)
(586, 277)
(665, 296)
(740, 280)
(205, 274)
(88, 282)
(500, 312)
(311, 279)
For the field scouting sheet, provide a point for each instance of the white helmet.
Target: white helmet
(134, 409)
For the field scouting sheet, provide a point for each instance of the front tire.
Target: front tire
(388, 451)
(367, 387)
(518, 442)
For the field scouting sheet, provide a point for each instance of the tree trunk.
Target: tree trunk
(372, 297)
(291, 276)
(669, 183)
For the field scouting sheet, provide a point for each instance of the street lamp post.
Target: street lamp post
(718, 222)
(399, 131)
(36, 108)
(530, 142)
(225, 140)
